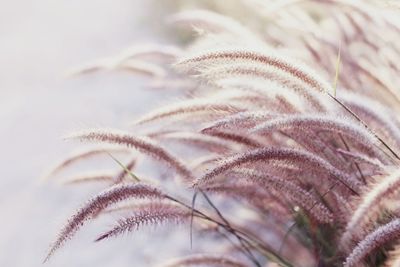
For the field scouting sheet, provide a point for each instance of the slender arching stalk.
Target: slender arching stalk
(251, 241)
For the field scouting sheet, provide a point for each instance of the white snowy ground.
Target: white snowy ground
(39, 41)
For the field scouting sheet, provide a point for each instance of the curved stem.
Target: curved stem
(249, 240)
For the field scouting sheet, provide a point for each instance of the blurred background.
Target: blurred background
(39, 42)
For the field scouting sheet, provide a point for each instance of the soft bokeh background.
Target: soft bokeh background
(39, 42)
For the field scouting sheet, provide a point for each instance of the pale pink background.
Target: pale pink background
(39, 42)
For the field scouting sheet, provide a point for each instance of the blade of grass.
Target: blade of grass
(134, 177)
(337, 70)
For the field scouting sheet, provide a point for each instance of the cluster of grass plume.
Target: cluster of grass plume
(291, 132)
